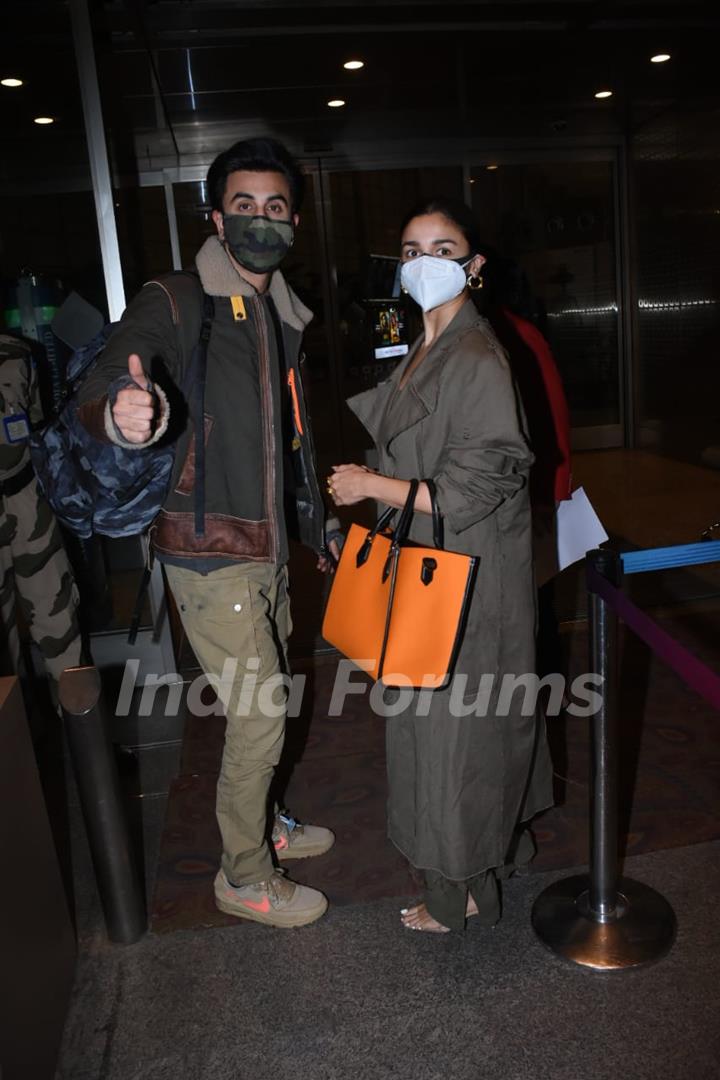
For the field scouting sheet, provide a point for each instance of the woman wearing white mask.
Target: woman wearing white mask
(465, 766)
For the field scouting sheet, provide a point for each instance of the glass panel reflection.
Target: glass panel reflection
(557, 221)
(143, 235)
(368, 209)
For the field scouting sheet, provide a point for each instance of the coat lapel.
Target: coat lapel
(420, 397)
(370, 406)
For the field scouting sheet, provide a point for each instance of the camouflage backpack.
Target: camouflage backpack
(98, 487)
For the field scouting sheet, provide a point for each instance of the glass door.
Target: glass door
(557, 221)
(375, 323)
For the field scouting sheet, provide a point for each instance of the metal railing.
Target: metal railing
(601, 920)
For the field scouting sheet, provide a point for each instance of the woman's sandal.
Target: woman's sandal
(419, 918)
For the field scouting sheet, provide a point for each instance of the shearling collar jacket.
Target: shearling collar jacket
(259, 456)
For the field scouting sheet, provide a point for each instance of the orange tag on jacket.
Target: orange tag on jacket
(238, 306)
(295, 402)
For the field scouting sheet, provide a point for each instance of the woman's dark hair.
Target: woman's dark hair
(462, 216)
(504, 283)
(505, 286)
(255, 155)
(455, 211)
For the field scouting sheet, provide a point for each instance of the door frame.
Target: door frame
(413, 154)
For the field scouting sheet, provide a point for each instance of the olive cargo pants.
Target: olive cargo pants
(242, 613)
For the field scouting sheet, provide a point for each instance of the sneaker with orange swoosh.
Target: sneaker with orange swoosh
(292, 840)
(275, 902)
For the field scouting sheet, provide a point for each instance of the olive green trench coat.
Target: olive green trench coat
(459, 784)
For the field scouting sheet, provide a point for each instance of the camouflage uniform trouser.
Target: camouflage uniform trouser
(37, 579)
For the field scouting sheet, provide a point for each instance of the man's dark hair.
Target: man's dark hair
(255, 155)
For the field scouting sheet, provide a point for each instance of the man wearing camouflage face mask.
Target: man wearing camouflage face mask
(257, 243)
(229, 580)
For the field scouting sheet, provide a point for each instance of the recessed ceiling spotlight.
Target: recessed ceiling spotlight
(490, 167)
(336, 103)
(354, 65)
(44, 120)
(11, 82)
(660, 58)
(604, 94)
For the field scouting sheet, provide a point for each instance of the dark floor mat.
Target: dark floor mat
(335, 772)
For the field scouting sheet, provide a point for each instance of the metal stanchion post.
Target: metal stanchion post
(603, 643)
(100, 798)
(601, 920)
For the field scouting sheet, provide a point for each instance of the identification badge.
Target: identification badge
(238, 307)
(17, 428)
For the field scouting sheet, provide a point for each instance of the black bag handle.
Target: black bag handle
(195, 369)
(194, 390)
(384, 519)
(403, 526)
(438, 524)
(401, 530)
(198, 365)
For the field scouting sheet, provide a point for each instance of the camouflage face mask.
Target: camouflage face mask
(258, 243)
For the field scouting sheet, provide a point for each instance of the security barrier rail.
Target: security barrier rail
(601, 920)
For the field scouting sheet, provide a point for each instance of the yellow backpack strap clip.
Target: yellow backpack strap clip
(238, 307)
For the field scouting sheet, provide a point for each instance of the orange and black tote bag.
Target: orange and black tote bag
(398, 609)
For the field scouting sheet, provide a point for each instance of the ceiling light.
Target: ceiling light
(336, 103)
(354, 65)
(11, 82)
(490, 167)
(44, 120)
(472, 181)
(660, 58)
(604, 94)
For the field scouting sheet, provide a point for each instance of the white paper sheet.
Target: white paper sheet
(579, 529)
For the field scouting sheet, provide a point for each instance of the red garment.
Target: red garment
(545, 404)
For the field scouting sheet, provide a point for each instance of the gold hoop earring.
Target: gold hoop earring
(475, 281)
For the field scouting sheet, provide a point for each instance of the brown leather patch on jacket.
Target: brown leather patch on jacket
(173, 533)
(186, 483)
(92, 417)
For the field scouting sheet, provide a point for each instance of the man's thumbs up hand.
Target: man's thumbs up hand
(136, 370)
(134, 408)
